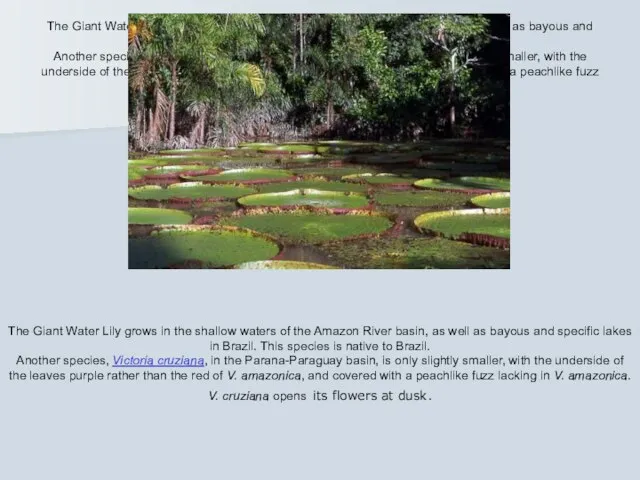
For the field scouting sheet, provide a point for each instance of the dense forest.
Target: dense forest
(219, 79)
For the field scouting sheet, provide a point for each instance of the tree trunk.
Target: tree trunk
(294, 53)
(301, 42)
(452, 96)
(173, 99)
(156, 125)
(330, 113)
(151, 127)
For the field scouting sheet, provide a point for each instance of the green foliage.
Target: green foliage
(306, 197)
(190, 190)
(176, 169)
(465, 183)
(213, 247)
(453, 224)
(493, 200)
(330, 172)
(158, 216)
(136, 173)
(380, 179)
(240, 175)
(313, 228)
(218, 79)
(313, 184)
(421, 199)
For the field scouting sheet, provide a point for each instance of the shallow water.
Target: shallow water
(460, 159)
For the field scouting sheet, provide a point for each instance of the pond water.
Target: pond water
(397, 243)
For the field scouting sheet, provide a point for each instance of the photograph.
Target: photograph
(319, 141)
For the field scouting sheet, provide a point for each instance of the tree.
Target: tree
(200, 43)
(219, 79)
(459, 38)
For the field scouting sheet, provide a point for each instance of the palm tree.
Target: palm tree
(207, 44)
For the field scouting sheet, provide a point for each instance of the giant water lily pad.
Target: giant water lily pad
(457, 223)
(158, 216)
(294, 149)
(465, 183)
(256, 145)
(331, 172)
(282, 265)
(313, 184)
(146, 162)
(493, 200)
(245, 175)
(380, 179)
(189, 190)
(195, 151)
(306, 197)
(176, 170)
(421, 199)
(207, 246)
(303, 158)
(313, 228)
(136, 173)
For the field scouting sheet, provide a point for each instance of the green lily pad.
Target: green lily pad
(304, 158)
(282, 265)
(205, 245)
(313, 184)
(465, 183)
(158, 216)
(175, 170)
(337, 172)
(493, 200)
(455, 223)
(191, 190)
(245, 175)
(306, 197)
(295, 148)
(256, 145)
(194, 151)
(146, 162)
(311, 227)
(421, 199)
(380, 179)
(136, 173)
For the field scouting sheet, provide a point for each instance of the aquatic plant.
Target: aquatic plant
(387, 179)
(195, 151)
(201, 246)
(294, 149)
(467, 184)
(421, 199)
(189, 191)
(493, 200)
(338, 172)
(244, 175)
(308, 197)
(174, 171)
(468, 225)
(313, 227)
(158, 216)
(316, 184)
